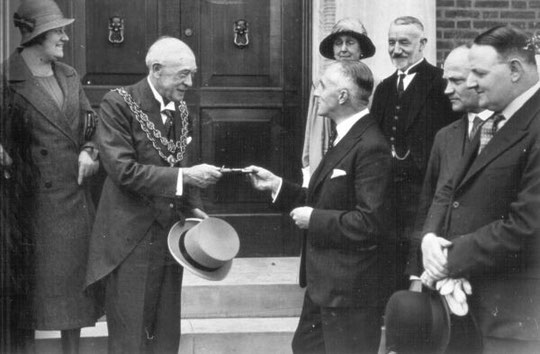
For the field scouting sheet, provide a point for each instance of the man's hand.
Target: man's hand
(87, 166)
(301, 216)
(434, 250)
(263, 180)
(199, 214)
(5, 159)
(201, 175)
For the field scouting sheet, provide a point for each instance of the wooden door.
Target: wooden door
(247, 101)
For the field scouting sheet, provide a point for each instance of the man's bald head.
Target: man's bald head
(167, 51)
(456, 70)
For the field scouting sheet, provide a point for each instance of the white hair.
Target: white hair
(166, 49)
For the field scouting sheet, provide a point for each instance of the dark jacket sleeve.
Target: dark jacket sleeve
(414, 259)
(120, 158)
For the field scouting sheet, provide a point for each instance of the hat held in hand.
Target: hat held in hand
(204, 247)
(417, 323)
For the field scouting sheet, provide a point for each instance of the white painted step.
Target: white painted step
(199, 336)
(238, 336)
(255, 287)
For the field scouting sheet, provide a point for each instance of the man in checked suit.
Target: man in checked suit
(344, 214)
(149, 187)
(487, 216)
(410, 107)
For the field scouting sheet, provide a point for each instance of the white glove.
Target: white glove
(455, 292)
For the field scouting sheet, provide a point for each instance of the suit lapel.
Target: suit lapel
(21, 81)
(419, 87)
(336, 154)
(512, 132)
(143, 95)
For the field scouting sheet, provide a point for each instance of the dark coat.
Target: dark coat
(490, 210)
(448, 148)
(427, 110)
(342, 254)
(47, 140)
(140, 188)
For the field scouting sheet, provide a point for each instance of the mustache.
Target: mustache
(398, 56)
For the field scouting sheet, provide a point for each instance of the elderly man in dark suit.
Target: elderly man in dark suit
(344, 214)
(410, 107)
(145, 144)
(484, 224)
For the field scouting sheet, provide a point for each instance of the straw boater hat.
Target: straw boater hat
(352, 27)
(34, 17)
(417, 323)
(204, 247)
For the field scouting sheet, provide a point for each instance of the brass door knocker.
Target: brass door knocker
(116, 30)
(241, 39)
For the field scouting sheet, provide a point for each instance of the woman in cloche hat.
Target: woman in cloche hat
(348, 40)
(50, 124)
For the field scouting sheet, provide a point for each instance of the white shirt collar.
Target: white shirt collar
(158, 98)
(519, 101)
(406, 72)
(485, 114)
(344, 126)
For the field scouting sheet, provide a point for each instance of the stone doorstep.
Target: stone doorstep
(251, 271)
(202, 326)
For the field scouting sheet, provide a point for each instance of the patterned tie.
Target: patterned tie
(169, 123)
(488, 130)
(400, 85)
(476, 124)
(333, 135)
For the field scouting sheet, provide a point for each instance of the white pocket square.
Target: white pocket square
(337, 173)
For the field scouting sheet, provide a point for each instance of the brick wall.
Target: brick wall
(459, 21)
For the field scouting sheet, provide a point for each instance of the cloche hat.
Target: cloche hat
(352, 27)
(34, 17)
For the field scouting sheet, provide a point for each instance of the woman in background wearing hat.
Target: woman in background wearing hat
(348, 40)
(48, 129)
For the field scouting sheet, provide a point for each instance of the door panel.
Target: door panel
(248, 104)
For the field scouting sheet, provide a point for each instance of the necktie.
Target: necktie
(169, 123)
(333, 134)
(488, 130)
(476, 124)
(400, 85)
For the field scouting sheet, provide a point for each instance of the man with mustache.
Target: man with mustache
(410, 107)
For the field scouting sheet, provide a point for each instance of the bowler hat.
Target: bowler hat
(204, 247)
(417, 322)
(34, 17)
(350, 26)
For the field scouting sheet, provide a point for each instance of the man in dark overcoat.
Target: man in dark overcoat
(449, 145)
(144, 142)
(484, 224)
(410, 107)
(344, 213)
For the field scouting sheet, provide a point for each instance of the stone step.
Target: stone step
(199, 336)
(238, 335)
(255, 287)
